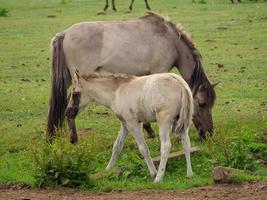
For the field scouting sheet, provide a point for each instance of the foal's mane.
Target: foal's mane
(198, 76)
(118, 76)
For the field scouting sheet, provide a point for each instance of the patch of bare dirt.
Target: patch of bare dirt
(257, 191)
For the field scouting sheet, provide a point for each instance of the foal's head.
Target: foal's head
(77, 98)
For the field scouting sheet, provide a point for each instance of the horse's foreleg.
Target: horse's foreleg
(164, 133)
(72, 127)
(135, 128)
(106, 6)
(147, 6)
(113, 5)
(131, 5)
(118, 145)
(149, 130)
(186, 146)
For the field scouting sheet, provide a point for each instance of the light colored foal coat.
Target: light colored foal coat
(165, 98)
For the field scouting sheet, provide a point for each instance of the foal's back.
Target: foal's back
(147, 95)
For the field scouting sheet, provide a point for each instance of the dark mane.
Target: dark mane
(198, 76)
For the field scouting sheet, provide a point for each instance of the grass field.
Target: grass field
(232, 41)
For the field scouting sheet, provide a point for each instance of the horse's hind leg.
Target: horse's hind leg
(131, 5)
(135, 128)
(149, 130)
(106, 6)
(165, 146)
(147, 6)
(118, 145)
(186, 146)
(113, 5)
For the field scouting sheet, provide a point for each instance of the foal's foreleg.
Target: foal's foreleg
(186, 145)
(165, 147)
(136, 129)
(118, 145)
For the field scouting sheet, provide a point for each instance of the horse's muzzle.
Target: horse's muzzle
(72, 112)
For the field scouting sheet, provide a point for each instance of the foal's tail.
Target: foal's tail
(60, 82)
(186, 112)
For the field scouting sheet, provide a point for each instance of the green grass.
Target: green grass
(233, 35)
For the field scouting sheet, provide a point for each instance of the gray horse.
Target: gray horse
(130, 7)
(142, 46)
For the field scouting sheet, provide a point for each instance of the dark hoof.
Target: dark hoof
(73, 140)
(114, 9)
(148, 8)
(151, 135)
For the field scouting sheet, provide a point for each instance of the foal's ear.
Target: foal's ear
(76, 77)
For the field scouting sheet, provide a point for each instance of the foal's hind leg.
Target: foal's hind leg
(136, 129)
(164, 130)
(186, 145)
(118, 145)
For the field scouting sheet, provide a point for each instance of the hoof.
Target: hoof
(157, 180)
(73, 140)
(189, 175)
(153, 175)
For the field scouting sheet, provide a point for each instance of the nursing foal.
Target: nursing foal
(165, 98)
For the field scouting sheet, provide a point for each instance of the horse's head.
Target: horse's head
(76, 100)
(204, 99)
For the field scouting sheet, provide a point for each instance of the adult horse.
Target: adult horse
(147, 45)
(130, 7)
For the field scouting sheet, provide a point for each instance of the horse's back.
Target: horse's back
(139, 46)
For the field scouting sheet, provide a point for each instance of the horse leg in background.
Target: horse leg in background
(131, 5)
(186, 146)
(118, 145)
(106, 6)
(149, 130)
(147, 6)
(165, 146)
(113, 5)
(72, 127)
(135, 128)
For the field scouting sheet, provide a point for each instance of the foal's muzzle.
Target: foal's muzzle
(72, 112)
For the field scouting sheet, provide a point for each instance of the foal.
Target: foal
(165, 98)
(130, 7)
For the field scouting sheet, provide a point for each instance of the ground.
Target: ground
(257, 191)
(232, 41)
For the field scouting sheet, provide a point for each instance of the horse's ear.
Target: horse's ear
(215, 84)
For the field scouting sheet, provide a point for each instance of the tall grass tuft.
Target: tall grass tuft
(3, 12)
(231, 150)
(62, 164)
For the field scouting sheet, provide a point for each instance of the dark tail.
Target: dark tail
(60, 82)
